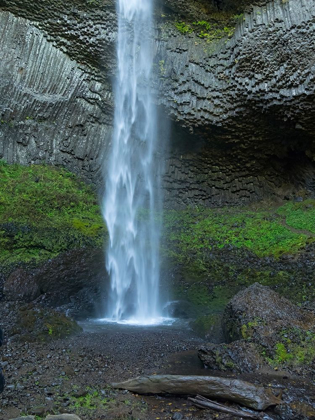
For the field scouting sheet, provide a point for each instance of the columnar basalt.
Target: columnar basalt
(247, 97)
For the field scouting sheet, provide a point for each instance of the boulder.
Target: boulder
(75, 282)
(239, 356)
(264, 330)
(40, 324)
(260, 314)
(21, 286)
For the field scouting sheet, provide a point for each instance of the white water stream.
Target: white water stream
(132, 178)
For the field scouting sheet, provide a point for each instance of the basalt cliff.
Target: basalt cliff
(235, 80)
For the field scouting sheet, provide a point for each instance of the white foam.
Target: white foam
(149, 322)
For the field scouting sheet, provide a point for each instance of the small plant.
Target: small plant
(206, 30)
(94, 2)
(282, 354)
(183, 27)
(239, 17)
(162, 68)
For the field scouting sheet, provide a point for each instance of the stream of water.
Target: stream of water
(132, 178)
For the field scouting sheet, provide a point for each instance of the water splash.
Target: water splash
(132, 177)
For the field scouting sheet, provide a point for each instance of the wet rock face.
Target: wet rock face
(75, 282)
(266, 66)
(247, 99)
(85, 30)
(21, 286)
(200, 9)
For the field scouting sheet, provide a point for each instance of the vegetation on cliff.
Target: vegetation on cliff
(213, 253)
(209, 31)
(265, 232)
(207, 254)
(43, 211)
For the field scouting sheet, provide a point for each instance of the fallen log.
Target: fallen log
(241, 392)
(202, 402)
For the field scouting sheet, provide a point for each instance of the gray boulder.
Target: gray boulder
(264, 330)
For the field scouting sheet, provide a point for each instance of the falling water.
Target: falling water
(132, 176)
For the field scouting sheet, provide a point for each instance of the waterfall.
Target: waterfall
(132, 178)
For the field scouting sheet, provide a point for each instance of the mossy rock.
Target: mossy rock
(38, 324)
(264, 330)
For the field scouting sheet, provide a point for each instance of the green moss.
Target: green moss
(44, 211)
(221, 251)
(299, 215)
(183, 27)
(222, 25)
(42, 324)
(162, 67)
(90, 401)
(247, 330)
(211, 32)
(281, 353)
(195, 293)
(296, 348)
(193, 231)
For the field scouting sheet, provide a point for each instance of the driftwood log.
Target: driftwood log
(241, 392)
(203, 402)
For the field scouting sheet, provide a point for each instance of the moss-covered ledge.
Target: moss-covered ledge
(45, 211)
(211, 254)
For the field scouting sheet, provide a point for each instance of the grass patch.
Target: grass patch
(206, 30)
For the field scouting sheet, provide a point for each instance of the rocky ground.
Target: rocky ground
(73, 375)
